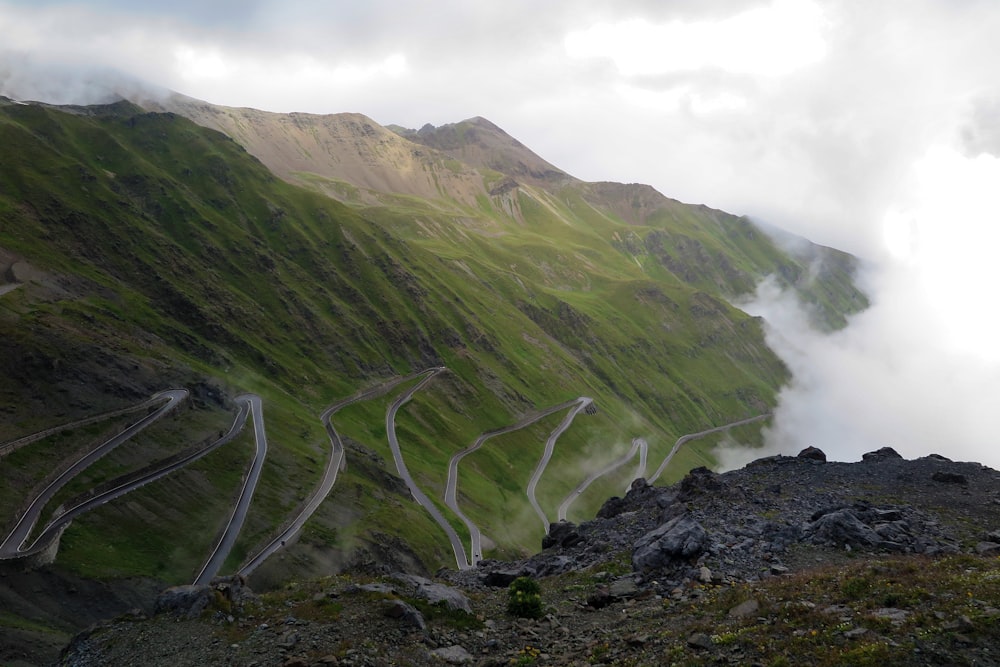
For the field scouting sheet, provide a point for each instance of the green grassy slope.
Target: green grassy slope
(154, 253)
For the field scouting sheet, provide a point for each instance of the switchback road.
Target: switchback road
(235, 524)
(334, 465)
(638, 444)
(451, 488)
(691, 436)
(550, 445)
(13, 544)
(418, 495)
(62, 520)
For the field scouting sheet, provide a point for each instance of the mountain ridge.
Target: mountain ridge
(154, 251)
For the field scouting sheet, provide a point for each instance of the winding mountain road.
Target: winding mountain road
(60, 521)
(14, 445)
(218, 555)
(451, 487)
(390, 428)
(13, 544)
(691, 436)
(638, 444)
(550, 445)
(334, 465)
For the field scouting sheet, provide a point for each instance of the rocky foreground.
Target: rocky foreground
(791, 560)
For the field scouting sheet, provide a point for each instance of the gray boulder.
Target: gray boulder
(406, 614)
(453, 655)
(812, 453)
(680, 538)
(563, 534)
(434, 593)
(187, 600)
(842, 527)
(881, 454)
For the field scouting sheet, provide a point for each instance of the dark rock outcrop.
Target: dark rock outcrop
(681, 538)
(189, 601)
(812, 453)
(562, 534)
(881, 454)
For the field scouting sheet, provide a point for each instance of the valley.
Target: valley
(140, 250)
(19, 547)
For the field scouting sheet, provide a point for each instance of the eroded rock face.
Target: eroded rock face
(680, 538)
(190, 601)
(563, 534)
(842, 527)
(435, 593)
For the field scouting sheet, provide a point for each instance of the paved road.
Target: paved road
(59, 522)
(236, 519)
(14, 445)
(691, 436)
(15, 541)
(451, 487)
(418, 495)
(638, 444)
(334, 465)
(550, 445)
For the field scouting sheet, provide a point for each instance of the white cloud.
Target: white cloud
(919, 371)
(768, 41)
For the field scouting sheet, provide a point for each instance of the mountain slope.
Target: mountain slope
(142, 251)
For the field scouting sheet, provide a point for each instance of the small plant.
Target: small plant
(526, 656)
(525, 598)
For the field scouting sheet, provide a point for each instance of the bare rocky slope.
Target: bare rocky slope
(791, 560)
(346, 156)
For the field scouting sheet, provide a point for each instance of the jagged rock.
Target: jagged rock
(698, 481)
(501, 578)
(988, 548)
(562, 534)
(611, 508)
(842, 527)
(404, 613)
(186, 600)
(700, 640)
(453, 655)
(190, 600)
(949, 477)
(812, 453)
(637, 494)
(747, 608)
(623, 588)
(883, 454)
(680, 538)
(425, 589)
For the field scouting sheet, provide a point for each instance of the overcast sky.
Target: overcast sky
(869, 126)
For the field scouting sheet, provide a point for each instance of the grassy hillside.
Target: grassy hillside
(141, 251)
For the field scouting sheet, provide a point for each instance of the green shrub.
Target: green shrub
(525, 599)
